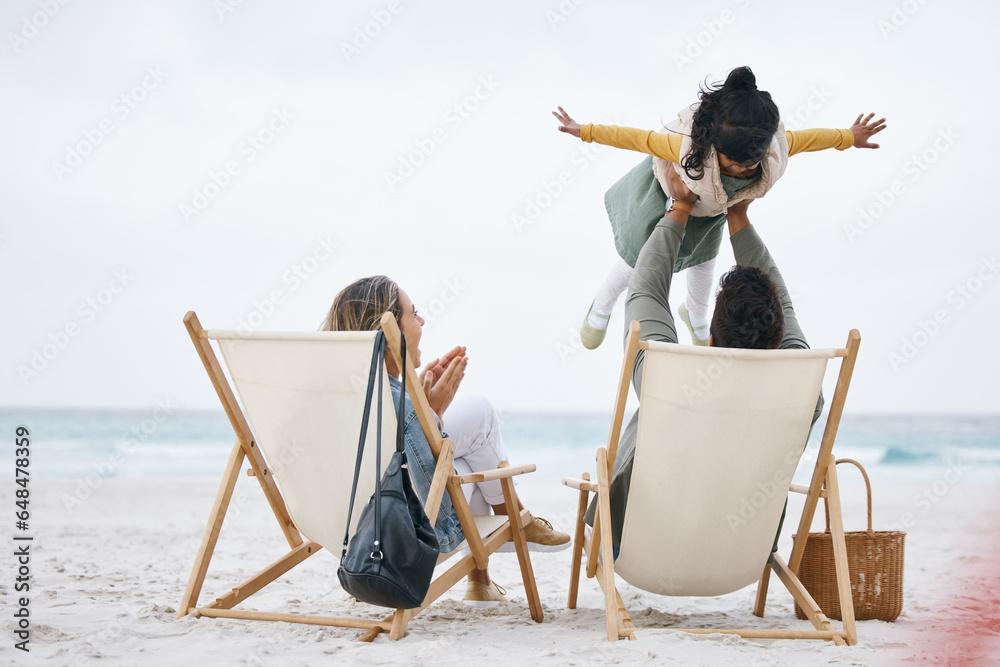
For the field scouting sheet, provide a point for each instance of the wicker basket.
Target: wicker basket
(875, 563)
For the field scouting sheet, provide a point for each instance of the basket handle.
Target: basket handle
(868, 486)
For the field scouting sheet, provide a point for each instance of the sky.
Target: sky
(247, 160)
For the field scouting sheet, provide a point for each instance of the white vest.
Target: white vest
(712, 198)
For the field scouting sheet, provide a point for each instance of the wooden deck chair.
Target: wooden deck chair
(297, 422)
(720, 433)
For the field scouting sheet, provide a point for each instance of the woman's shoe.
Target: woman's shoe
(540, 536)
(483, 596)
(592, 336)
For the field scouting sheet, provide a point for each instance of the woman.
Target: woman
(472, 423)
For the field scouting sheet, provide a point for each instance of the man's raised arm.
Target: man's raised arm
(749, 250)
(649, 289)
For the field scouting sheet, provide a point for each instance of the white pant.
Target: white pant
(700, 280)
(474, 427)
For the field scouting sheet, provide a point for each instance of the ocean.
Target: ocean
(166, 441)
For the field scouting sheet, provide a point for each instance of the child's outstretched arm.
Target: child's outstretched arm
(818, 139)
(664, 146)
(863, 130)
(568, 125)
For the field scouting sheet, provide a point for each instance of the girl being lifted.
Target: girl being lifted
(730, 146)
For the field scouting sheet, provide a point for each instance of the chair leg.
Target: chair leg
(624, 620)
(840, 553)
(799, 593)
(212, 529)
(578, 539)
(399, 622)
(521, 546)
(765, 579)
(593, 550)
(607, 565)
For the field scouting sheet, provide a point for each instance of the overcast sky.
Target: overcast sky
(248, 159)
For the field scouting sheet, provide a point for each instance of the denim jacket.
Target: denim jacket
(421, 462)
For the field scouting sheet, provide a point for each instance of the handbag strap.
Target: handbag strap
(377, 353)
(376, 554)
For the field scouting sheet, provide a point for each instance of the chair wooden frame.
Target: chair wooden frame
(301, 548)
(596, 544)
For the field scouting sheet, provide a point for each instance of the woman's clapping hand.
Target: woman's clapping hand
(441, 378)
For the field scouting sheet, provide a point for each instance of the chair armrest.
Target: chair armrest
(580, 484)
(804, 490)
(498, 473)
(439, 482)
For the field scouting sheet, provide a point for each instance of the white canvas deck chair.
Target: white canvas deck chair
(720, 433)
(297, 423)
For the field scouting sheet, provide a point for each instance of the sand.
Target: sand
(108, 574)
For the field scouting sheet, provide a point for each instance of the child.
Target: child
(728, 147)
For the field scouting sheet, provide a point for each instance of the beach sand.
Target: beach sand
(109, 572)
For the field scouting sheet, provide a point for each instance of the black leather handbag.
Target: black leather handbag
(391, 559)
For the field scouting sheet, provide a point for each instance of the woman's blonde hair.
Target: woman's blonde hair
(360, 305)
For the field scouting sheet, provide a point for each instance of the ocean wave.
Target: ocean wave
(899, 456)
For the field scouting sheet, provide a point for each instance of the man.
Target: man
(753, 310)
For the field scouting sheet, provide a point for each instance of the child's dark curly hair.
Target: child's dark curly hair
(747, 311)
(735, 118)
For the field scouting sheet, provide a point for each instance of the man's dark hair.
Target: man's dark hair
(747, 311)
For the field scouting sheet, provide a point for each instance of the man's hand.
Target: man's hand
(678, 188)
(569, 126)
(441, 378)
(736, 216)
(863, 130)
(739, 208)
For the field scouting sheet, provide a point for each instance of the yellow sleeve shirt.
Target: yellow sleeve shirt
(668, 146)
